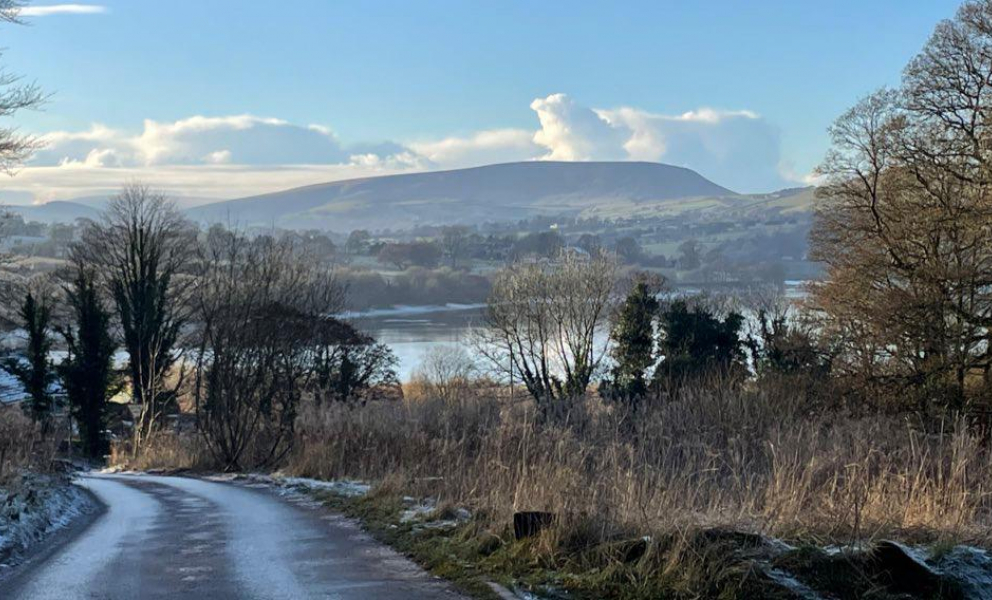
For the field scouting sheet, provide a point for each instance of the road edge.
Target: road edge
(13, 575)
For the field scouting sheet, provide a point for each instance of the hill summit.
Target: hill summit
(490, 193)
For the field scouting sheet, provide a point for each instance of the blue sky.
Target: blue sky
(306, 90)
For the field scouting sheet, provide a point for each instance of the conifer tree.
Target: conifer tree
(88, 372)
(34, 368)
(633, 351)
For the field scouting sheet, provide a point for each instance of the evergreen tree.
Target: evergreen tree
(695, 343)
(633, 352)
(34, 369)
(785, 348)
(87, 372)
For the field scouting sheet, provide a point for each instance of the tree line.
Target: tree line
(242, 327)
(555, 328)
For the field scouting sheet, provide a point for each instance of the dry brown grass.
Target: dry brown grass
(166, 450)
(753, 460)
(22, 446)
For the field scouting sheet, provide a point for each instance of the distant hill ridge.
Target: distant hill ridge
(501, 192)
(490, 193)
(57, 211)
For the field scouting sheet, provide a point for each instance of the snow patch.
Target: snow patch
(346, 488)
(418, 512)
(511, 594)
(972, 569)
(424, 514)
(33, 508)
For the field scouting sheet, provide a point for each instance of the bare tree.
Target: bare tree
(351, 366)
(545, 324)
(262, 312)
(903, 223)
(15, 96)
(10, 11)
(143, 250)
(454, 243)
(447, 372)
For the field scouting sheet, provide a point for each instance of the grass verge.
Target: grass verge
(558, 562)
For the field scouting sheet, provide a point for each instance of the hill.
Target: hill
(100, 201)
(55, 212)
(491, 193)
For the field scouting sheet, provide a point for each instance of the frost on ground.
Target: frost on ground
(34, 506)
(417, 512)
(348, 489)
(344, 487)
(961, 572)
(423, 514)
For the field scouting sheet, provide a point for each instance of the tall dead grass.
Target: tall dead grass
(164, 450)
(754, 460)
(22, 446)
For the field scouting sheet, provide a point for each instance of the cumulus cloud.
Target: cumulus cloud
(400, 161)
(738, 149)
(484, 147)
(788, 171)
(573, 132)
(220, 157)
(96, 146)
(61, 9)
(735, 148)
(240, 139)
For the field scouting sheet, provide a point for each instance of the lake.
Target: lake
(413, 330)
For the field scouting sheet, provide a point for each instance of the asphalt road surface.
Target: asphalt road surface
(174, 537)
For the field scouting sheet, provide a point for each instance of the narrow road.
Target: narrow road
(174, 537)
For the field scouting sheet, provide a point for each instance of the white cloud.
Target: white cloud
(242, 139)
(403, 161)
(238, 139)
(219, 157)
(789, 173)
(102, 157)
(738, 149)
(573, 132)
(222, 157)
(735, 148)
(485, 147)
(62, 9)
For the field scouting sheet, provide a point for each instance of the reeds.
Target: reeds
(753, 460)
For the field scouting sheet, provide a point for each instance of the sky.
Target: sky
(229, 98)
